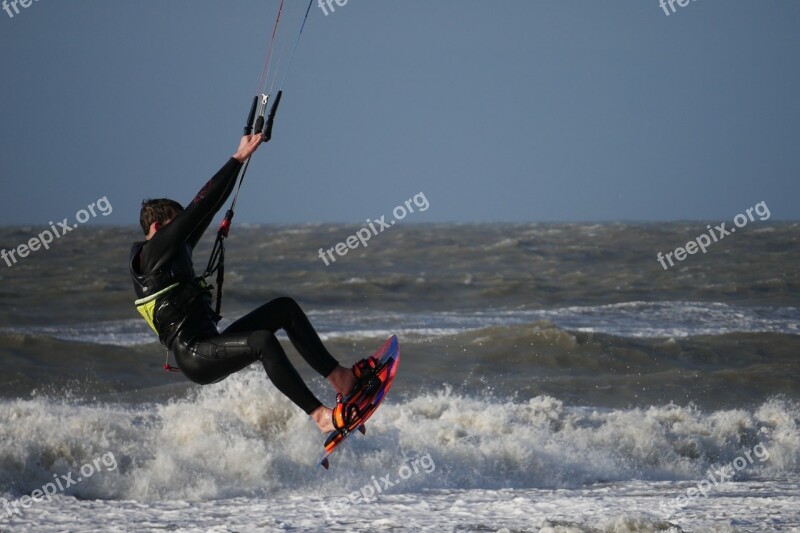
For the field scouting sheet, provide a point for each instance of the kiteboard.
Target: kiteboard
(366, 397)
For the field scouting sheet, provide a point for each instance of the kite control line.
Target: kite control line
(256, 124)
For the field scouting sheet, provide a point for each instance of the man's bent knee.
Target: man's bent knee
(288, 303)
(263, 343)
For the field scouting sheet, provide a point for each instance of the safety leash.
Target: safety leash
(168, 367)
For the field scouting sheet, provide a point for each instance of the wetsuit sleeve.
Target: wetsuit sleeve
(210, 199)
(190, 224)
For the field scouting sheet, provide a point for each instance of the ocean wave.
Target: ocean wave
(242, 438)
(520, 361)
(626, 319)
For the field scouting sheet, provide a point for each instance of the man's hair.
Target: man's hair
(159, 210)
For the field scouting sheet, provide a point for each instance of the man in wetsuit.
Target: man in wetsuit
(177, 304)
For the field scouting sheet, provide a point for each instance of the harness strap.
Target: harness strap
(146, 306)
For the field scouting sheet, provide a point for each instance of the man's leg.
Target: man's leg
(281, 371)
(214, 358)
(284, 313)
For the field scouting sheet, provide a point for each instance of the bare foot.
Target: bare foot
(323, 418)
(342, 380)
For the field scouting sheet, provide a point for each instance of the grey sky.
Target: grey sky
(506, 110)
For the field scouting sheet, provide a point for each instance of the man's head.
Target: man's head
(159, 212)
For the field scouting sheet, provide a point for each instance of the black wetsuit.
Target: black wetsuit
(180, 311)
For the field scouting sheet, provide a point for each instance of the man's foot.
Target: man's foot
(342, 380)
(323, 417)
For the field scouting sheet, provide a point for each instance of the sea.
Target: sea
(553, 378)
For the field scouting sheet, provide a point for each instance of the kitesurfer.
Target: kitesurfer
(177, 304)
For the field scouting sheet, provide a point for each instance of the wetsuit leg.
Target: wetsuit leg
(214, 358)
(252, 338)
(284, 313)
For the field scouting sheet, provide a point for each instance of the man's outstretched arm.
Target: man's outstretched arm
(190, 225)
(247, 146)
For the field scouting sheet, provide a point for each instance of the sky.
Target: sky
(510, 110)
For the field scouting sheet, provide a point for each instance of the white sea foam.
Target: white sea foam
(242, 438)
(239, 453)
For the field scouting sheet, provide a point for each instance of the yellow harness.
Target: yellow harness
(147, 306)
